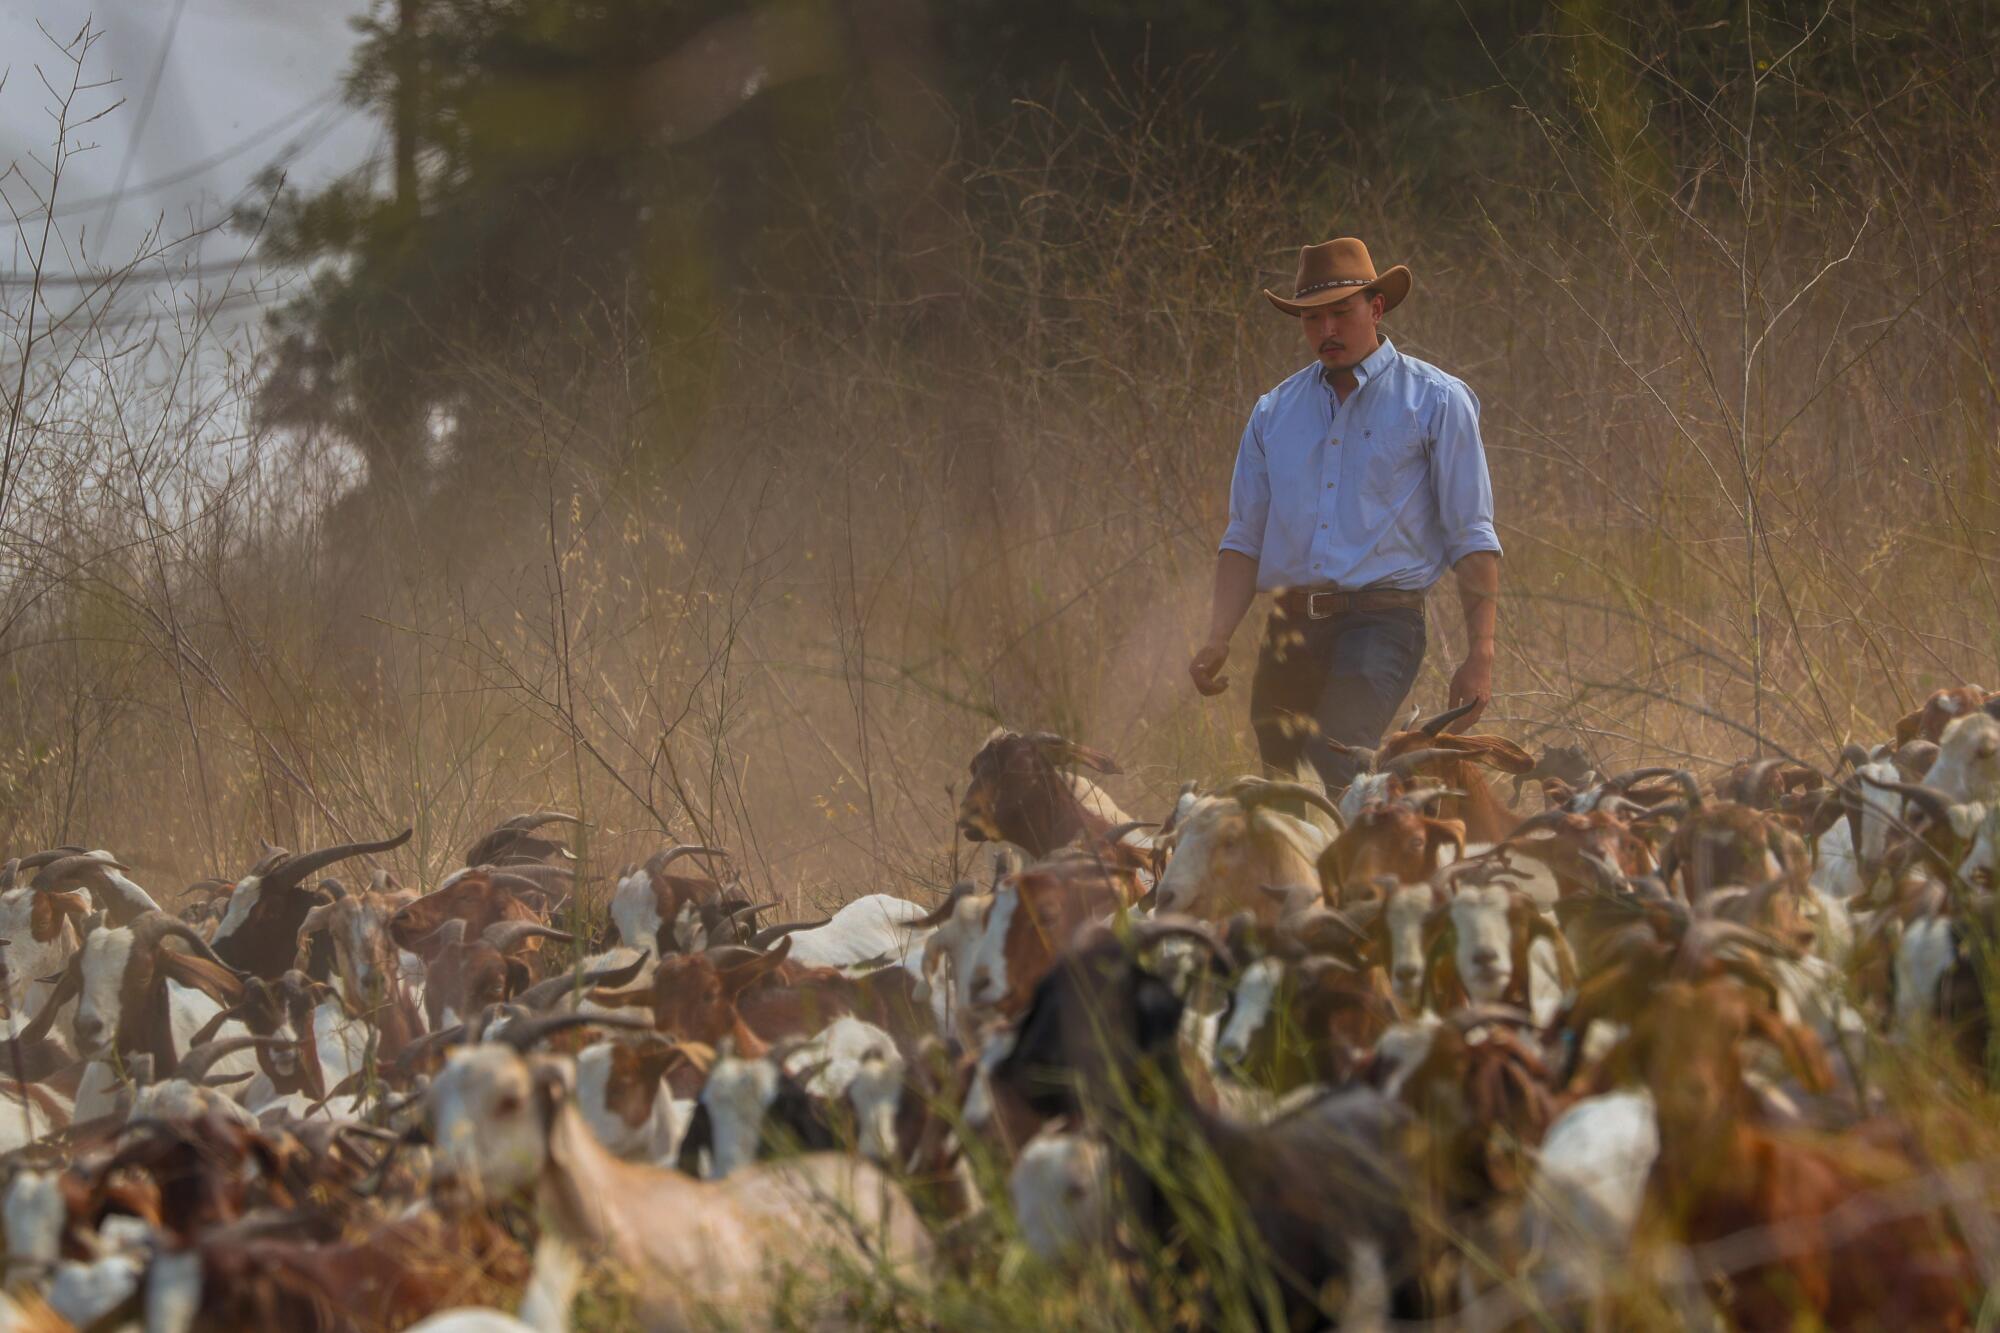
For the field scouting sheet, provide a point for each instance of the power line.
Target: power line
(209, 163)
(145, 116)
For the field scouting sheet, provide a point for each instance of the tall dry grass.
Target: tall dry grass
(768, 578)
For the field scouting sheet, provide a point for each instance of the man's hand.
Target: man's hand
(1208, 660)
(1472, 681)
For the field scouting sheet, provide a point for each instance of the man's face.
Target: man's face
(1343, 332)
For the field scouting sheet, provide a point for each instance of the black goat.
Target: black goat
(1322, 1187)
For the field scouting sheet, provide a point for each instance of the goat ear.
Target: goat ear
(742, 976)
(188, 969)
(519, 978)
(698, 1138)
(1801, 1050)
(68, 984)
(1438, 832)
(1492, 751)
(1907, 727)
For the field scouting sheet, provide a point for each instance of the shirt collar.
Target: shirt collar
(1376, 362)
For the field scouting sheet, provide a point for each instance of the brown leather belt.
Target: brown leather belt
(1323, 603)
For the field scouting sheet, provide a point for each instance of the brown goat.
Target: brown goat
(1393, 838)
(1018, 795)
(473, 898)
(1849, 1255)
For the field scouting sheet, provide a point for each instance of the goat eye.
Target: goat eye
(508, 1104)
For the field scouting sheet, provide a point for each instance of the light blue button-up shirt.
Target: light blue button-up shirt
(1388, 489)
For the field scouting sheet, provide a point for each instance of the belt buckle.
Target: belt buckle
(1312, 604)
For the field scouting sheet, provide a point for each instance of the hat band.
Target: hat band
(1332, 282)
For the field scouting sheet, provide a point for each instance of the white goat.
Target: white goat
(699, 1251)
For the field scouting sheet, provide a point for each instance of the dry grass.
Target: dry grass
(769, 582)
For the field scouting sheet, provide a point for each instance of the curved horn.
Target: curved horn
(1631, 778)
(36, 860)
(507, 935)
(1251, 792)
(1117, 832)
(545, 993)
(1935, 804)
(534, 819)
(57, 874)
(194, 1066)
(661, 860)
(1360, 752)
(1424, 798)
(524, 1034)
(156, 926)
(1405, 765)
(1183, 927)
(770, 935)
(1435, 726)
(293, 872)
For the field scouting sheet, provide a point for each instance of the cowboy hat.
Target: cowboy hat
(1336, 269)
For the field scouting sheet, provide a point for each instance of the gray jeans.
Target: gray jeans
(1342, 679)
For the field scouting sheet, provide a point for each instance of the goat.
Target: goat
(1722, 1172)
(1061, 1195)
(1018, 793)
(1943, 708)
(693, 997)
(480, 898)
(1290, 1022)
(1490, 944)
(134, 994)
(638, 1095)
(661, 912)
(369, 967)
(1101, 1027)
(259, 934)
(1398, 838)
(465, 976)
(508, 1122)
(1034, 913)
(116, 896)
(514, 840)
(1230, 847)
(1427, 748)
(791, 1098)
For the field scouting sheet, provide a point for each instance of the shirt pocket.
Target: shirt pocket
(1396, 457)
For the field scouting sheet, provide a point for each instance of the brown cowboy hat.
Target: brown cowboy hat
(1335, 269)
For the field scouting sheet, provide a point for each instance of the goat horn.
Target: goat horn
(1252, 792)
(1936, 804)
(1424, 798)
(735, 955)
(158, 925)
(544, 993)
(194, 1066)
(1184, 927)
(1404, 765)
(1117, 832)
(524, 1034)
(36, 860)
(534, 819)
(751, 911)
(294, 871)
(57, 873)
(1435, 726)
(770, 935)
(506, 935)
(661, 860)
(1633, 777)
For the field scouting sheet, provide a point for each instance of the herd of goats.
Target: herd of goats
(1449, 1060)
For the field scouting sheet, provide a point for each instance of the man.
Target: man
(1358, 481)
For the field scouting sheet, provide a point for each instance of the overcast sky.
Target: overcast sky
(233, 85)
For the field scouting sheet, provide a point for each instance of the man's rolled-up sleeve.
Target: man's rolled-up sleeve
(1249, 496)
(1458, 476)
